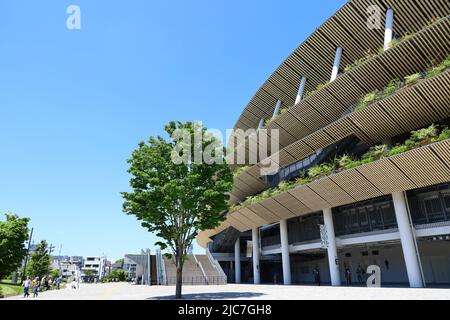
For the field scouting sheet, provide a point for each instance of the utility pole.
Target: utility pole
(26, 257)
(50, 249)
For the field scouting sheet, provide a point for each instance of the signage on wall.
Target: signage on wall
(323, 236)
(249, 252)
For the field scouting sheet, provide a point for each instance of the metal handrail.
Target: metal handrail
(216, 264)
(197, 280)
(199, 264)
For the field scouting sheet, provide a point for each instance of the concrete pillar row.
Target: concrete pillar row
(408, 241)
(336, 64)
(285, 258)
(255, 244)
(389, 28)
(300, 90)
(237, 260)
(332, 248)
(276, 111)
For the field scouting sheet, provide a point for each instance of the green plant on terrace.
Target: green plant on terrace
(417, 138)
(367, 99)
(322, 85)
(285, 186)
(437, 69)
(370, 97)
(413, 78)
(433, 70)
(347, 162)
(445, 134)
(239, 170)
(397, 150)
(320, 170)
(269, 120)
(394, 42)
(393, 85)
(302, 181)
(423, 134)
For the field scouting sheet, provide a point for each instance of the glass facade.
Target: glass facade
(350, 145)
(430, 205)
(270, 236)
(305, 228)
(367, 216)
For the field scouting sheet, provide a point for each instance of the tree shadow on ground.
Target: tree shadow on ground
(212, 296)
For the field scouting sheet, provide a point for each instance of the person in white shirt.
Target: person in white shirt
(26, 287)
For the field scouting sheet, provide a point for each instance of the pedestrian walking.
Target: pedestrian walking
(58, 282)
(359, 273)
(74, 284)
(46, 284)
(36, 287)
(316, 274)
(348, 275)
(26, 287)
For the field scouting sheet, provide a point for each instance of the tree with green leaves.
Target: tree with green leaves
(54, 273)
(121, 262)
(89, 274)
(116, 275)
(180, 187)
(13, 236)
(40, 261)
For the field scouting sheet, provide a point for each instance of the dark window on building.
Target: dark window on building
(305, 228)
(365, 253)
(270, 236)
(348, 255)
(430, 205)
(375, 253)
(349, 145)
(366, 216)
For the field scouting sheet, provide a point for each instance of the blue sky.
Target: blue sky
(75, 103)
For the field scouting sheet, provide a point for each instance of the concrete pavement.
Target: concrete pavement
(125, 291)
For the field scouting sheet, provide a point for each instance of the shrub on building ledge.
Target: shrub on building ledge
(239, 170)
(397, 84)
(418, 138)
(269, 120)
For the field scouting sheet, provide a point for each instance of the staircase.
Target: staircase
(197, 270)
(214, 275)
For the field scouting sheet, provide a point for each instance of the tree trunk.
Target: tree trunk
(179, 281)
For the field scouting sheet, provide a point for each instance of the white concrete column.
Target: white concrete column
(255, 244)
(237, 260)
(337, 62)
(277, 108)
(300, 90)
(388, 29)
(286, 261)
(332, 249)
(407, 240)
(261, 123)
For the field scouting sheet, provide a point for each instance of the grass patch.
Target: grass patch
(9, 290)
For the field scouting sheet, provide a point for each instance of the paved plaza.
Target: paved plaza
(125, 291)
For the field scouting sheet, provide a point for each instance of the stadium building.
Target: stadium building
(362, 112)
